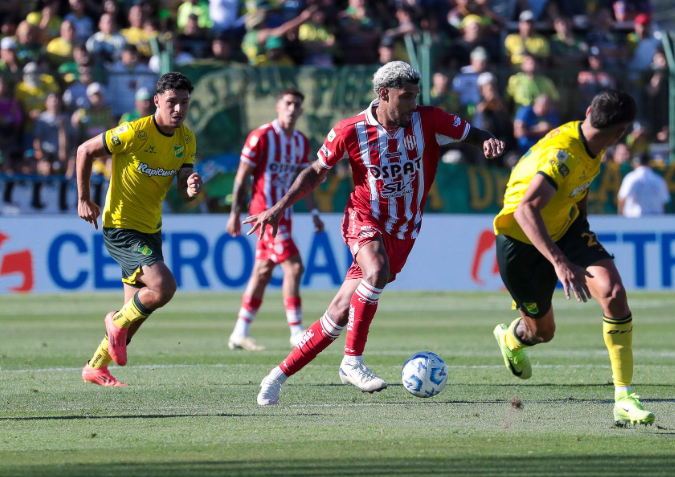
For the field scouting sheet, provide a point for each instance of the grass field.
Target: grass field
(190, 407)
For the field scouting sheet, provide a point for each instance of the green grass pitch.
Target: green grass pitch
(190, 407)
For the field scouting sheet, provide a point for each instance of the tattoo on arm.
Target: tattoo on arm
(305, 183)
(238, 196)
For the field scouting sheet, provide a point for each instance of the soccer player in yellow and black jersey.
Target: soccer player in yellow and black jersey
(543, 236)
(147, 155)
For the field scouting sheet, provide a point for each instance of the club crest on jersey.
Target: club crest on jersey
(374, 147)
(410, 142)
(178, 150)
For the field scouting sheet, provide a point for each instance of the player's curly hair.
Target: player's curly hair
(612, 108)
(173, 81)
(393, 75)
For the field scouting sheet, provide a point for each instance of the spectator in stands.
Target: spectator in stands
(492, 112)
(275, 54)
(194, 39)
(194, 7)
(9, 63)
(527, 85)
(28, 47)
(604, 37)
(657, 92)
(97, 118)
(442, 96)
(472, 38)
(317, 40)
(69, 69)
(534, 122)
(643, 192)
(47, 22)
(84, 26)
(466, 82)
(359, 34)
(567, 51)
(60, 50)
(638, 138)
(75, 97)
(462, 9)
(526, 41)
(643, 44)
(126, 76)
(8, 28)
(622, 153)
(11, 121)
(406, 25)
(385, 51)
(441, 43)
(180, 57)
(144, 107)
(135, 34)
(32, 93)
(54, 138)
(253, 43)
(224, 15)
(593, 80)
(106, 45)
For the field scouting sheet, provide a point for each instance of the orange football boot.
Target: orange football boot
(101, 376)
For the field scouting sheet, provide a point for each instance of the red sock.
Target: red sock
(249, 308)
(362, 308)
(293, 307)
(316, 339)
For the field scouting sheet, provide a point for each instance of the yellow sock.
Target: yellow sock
(618, 334)
(101, 358)
(133, 310)
(512, 340)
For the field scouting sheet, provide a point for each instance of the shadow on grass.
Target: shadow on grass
(482, 466)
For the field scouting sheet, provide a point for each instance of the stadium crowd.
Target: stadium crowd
(70, 69)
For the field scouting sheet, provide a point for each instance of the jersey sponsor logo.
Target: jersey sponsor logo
(563, 169)
(561, 156)
(397, 178)
(159, 172)
(121, 129)
(178, 150)
(150, 150)
(281, 168)
(116, 140)
(331, 136)
(580, 189)
(142, 135)
(398, 188)
(188, 139)
(368, 231)
(457, 121)
(410, 142)
(325, 151)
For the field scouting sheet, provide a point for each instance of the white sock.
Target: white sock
(296, 329)
(278, 374)
(619, 389)
(352, 360)
(241, 328)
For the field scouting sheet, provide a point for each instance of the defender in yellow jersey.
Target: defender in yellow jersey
(543, 236)
(147, 155)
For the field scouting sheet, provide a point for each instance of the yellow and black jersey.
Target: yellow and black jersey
(563, 158)
(145, 161)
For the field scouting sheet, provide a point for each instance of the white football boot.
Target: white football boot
(270, 389)
(296, 338)
(244, 342)
(358, 374)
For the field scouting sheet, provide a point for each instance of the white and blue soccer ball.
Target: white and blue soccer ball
(424, 374)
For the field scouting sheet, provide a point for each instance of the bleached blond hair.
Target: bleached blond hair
(393, 75)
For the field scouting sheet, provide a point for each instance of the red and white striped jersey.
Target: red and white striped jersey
(392, 171)
(277, 159)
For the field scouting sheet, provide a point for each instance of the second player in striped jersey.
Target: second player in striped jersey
(274, 154)
(393, 148)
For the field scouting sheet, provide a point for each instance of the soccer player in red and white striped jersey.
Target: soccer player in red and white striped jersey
(393, 149)
(274, 154)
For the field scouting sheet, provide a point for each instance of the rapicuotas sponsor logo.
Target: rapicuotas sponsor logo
(159, 172)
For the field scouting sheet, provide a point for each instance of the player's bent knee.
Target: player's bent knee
(377, 277)
(616, 302)
(544, 336)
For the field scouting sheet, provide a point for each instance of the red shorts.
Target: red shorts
(277, 249)
(359, 229)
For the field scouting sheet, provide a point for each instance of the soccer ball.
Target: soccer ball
(424, 374)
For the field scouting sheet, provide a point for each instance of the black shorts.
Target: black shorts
(133, 249)
(531, 279)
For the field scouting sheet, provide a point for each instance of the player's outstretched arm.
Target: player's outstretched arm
(492, 147)
(86, 153)
(189, 183)
(528, 214)
(306, 182)
(239, 191)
